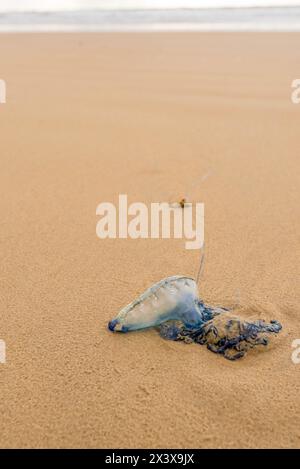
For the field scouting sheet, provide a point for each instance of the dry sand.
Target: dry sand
(94, 115)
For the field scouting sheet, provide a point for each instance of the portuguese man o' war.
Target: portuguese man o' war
(174, 305)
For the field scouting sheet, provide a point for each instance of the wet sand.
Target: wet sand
(92, 116)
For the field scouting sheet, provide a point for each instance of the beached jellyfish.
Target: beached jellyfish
(175, 306)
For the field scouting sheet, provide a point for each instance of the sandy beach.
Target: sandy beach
(92, 116)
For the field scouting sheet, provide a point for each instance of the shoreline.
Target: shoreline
(205, 19)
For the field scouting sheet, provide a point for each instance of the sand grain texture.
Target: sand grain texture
(91, 116)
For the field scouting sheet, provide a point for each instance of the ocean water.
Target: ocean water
(146, 15)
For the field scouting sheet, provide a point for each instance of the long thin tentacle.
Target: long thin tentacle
(201, 264)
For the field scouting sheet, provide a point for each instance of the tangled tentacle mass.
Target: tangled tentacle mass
(225, 334)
